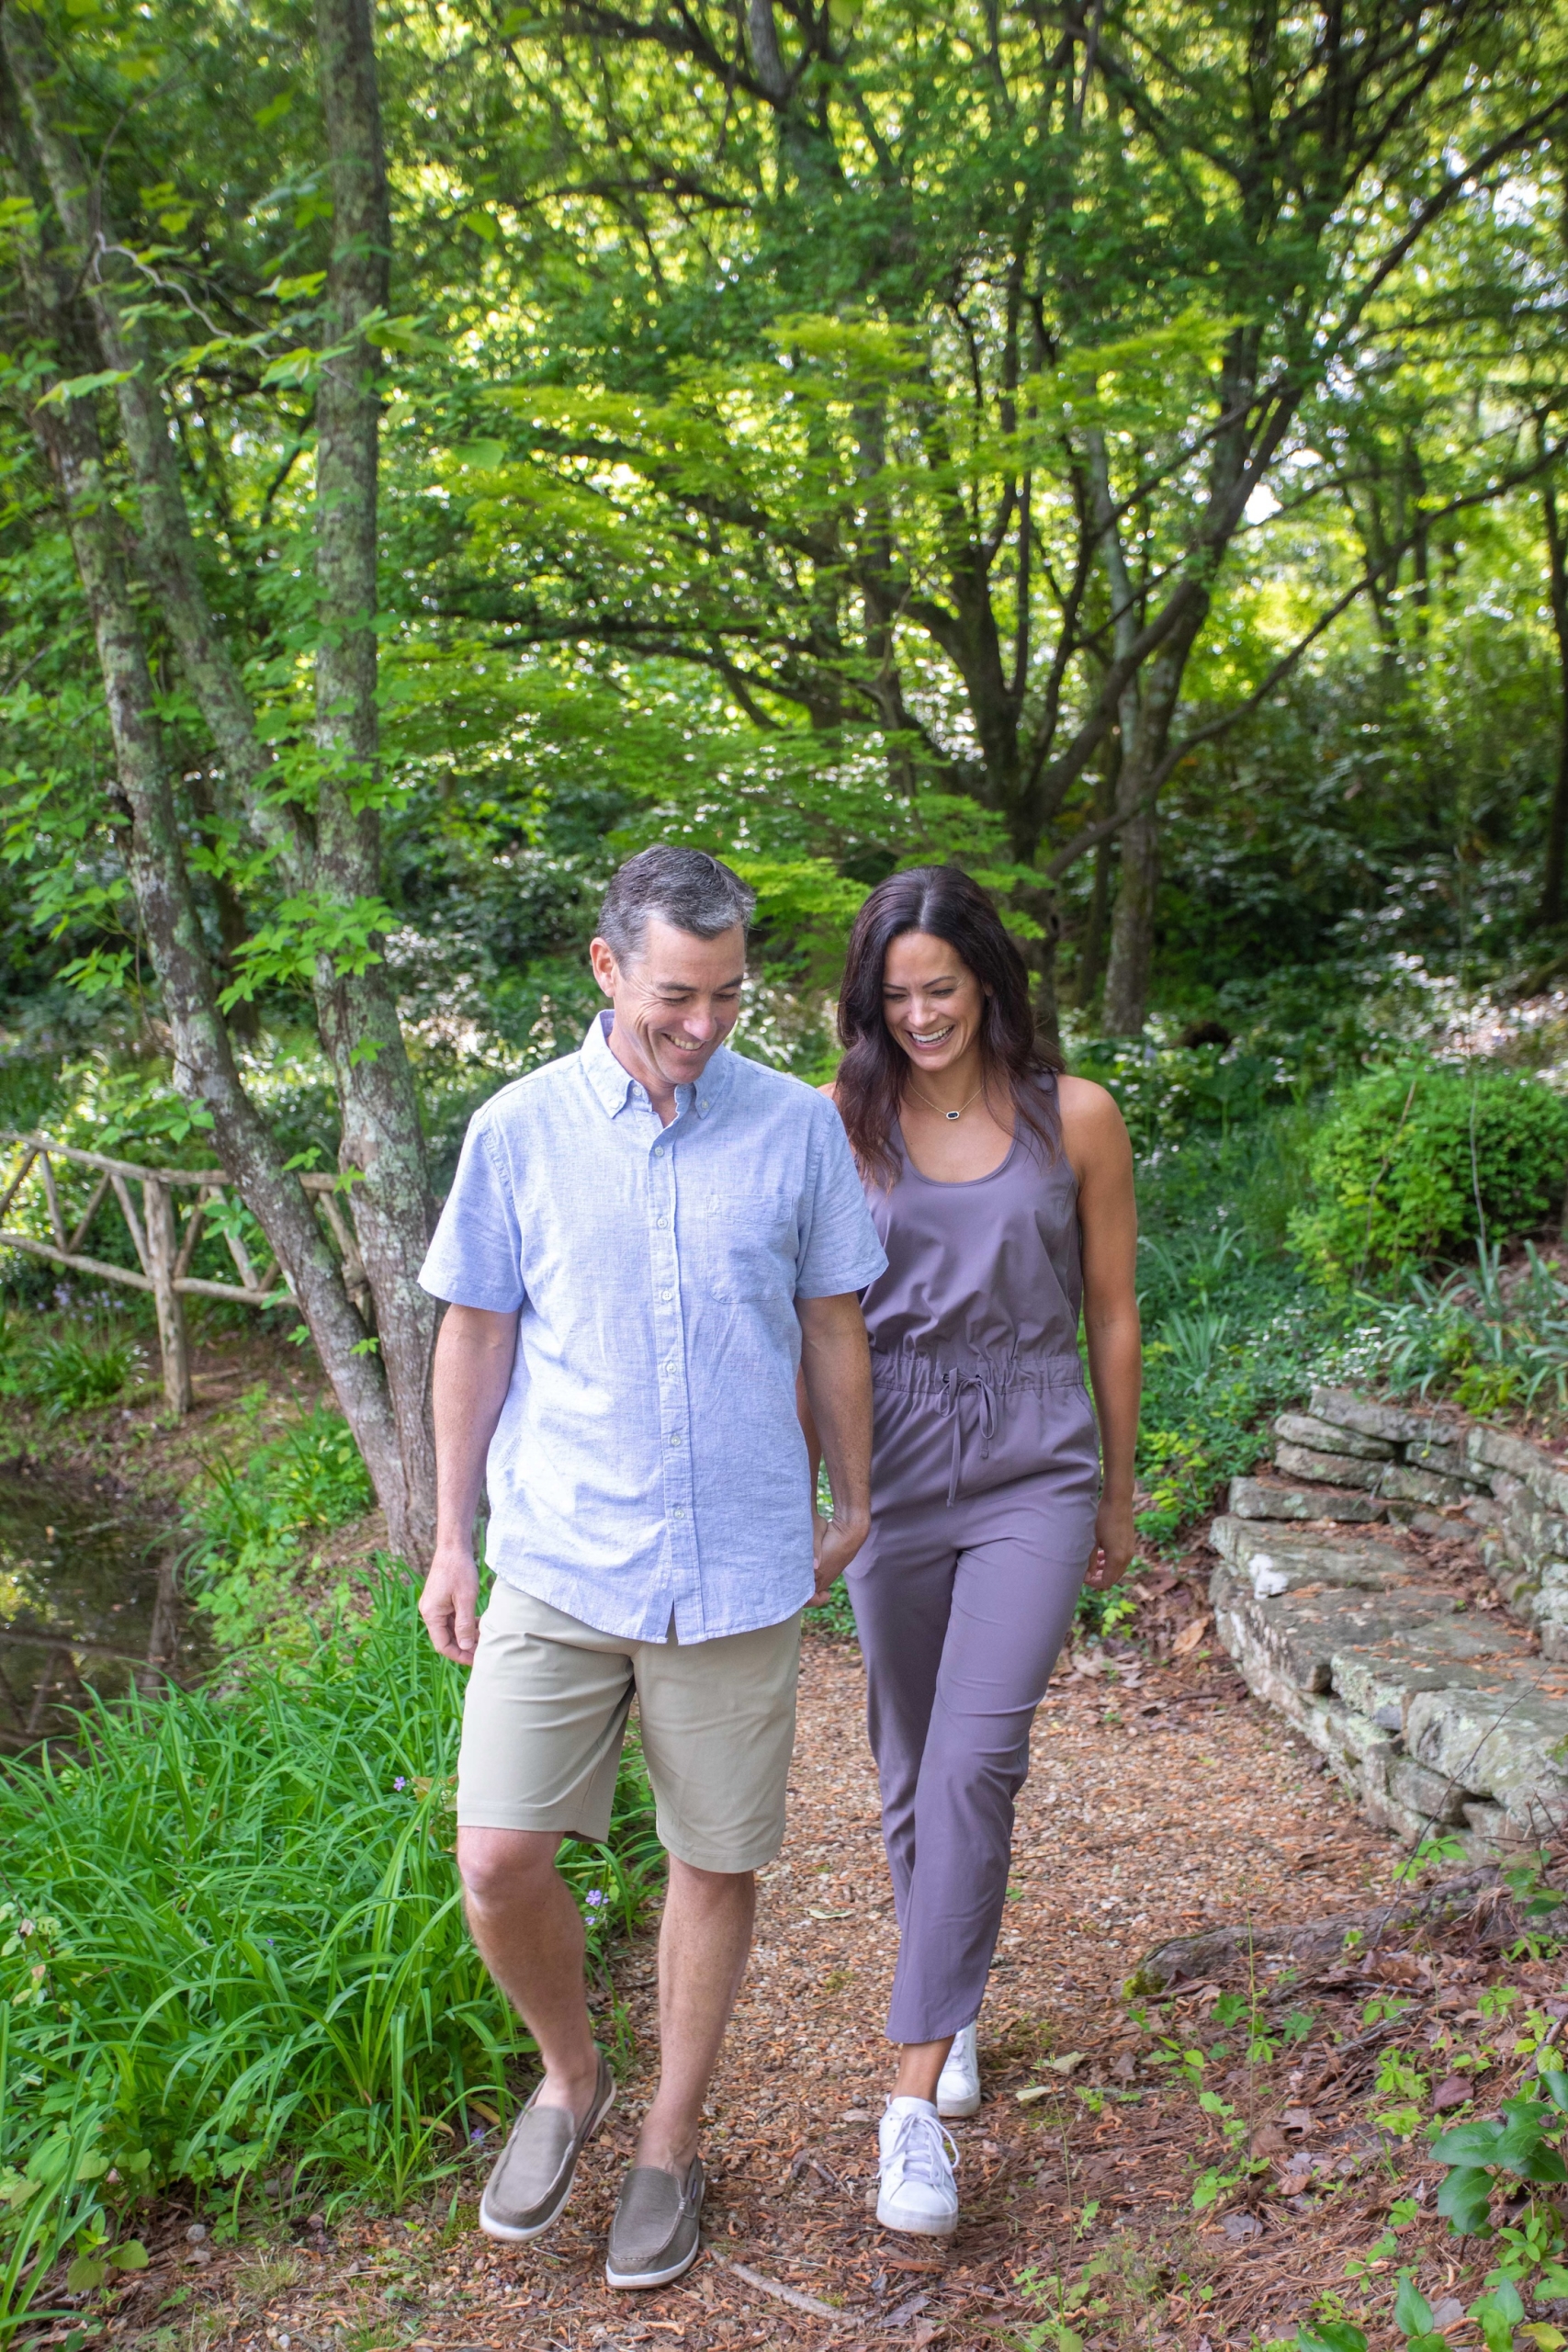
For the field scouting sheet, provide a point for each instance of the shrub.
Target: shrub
(251, 1524)
(235, 1937)
(1415, 1162)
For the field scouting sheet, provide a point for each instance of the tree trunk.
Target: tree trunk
(381, 1137)
(1133, 920)
(68, 434)
(1553, 873)
(1133, 927)
(1091, 954)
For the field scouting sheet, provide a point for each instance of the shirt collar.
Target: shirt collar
(614, 1085)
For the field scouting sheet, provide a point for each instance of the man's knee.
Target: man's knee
(716, 1888)
(497, 1866)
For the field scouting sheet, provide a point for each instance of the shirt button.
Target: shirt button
(663, 1224)
(674, 1437)
(666, 1294)
(659, 1151)
(678, 1512)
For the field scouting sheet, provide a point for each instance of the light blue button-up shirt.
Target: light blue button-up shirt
(648, 1468)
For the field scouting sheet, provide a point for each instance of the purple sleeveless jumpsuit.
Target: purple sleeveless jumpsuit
(984, 1484)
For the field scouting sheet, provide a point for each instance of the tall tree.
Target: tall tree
(914, 334)
(87, 327)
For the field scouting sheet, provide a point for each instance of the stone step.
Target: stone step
(1436, 1716)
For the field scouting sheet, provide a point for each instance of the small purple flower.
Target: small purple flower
(475, 2136)
(595, 1898)
(400, 1782)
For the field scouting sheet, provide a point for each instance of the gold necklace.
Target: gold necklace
(941, 1113)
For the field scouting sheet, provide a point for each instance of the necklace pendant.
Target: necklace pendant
(951, 1116)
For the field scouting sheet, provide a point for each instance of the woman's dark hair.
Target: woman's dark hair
(943, 900)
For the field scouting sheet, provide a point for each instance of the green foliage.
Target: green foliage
(250, 1522)
(1490, 1336)
(235, 1934)
(1165, 1091)
(69, 1370)
(1524, 2143)
(1413, 1162)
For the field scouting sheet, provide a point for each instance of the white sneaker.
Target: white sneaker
(958, 2091)
(917, 2192)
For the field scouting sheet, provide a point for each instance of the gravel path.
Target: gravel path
(1157, 1801)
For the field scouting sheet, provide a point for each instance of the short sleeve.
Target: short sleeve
(840, 1250)
(474, 1256)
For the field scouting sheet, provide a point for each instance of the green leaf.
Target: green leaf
(1412, 2311)
(1469, 2143)
(1464, 2199)
(1554, 2081)
(85, 2273)
(1523, 2152)
(77, 387)
(132, 2255)
(274, 110)
(482, 225)
(1332, 2335)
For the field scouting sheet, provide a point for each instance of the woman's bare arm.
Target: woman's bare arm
(1096, 1141)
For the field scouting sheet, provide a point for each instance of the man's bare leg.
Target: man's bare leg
(525, 1919)
(703, 1944)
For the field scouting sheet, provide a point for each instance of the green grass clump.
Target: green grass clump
(69, 1367)
(234, 1935)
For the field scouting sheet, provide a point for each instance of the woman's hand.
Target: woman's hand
(1115, 1540)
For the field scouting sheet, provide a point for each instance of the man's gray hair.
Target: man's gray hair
(683, 887)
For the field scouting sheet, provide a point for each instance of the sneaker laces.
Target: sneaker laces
(923, 2150)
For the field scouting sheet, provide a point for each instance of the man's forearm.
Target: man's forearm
(836, 1367)
(474, 1352)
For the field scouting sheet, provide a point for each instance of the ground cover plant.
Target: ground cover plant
(250, 1520)
(232, 1936)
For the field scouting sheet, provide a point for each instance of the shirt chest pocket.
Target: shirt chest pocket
(740, 1242)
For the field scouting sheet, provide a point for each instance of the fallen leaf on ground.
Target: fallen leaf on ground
(1188, 1640)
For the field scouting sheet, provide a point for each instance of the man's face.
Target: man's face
(675, 1003)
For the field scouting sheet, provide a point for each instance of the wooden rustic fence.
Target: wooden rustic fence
(175, 1203)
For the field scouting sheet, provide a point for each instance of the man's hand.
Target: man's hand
(1115, 1540)
(449, 1604)
(839, 1538)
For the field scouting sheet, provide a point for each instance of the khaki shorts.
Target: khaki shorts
(546, 1711)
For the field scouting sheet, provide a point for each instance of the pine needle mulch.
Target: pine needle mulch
(1162, 1802)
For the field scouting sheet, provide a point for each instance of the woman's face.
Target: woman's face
(931, 1000)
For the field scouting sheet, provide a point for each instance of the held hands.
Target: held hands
(1115, 1540)
(834, 1543)
(449, 1603)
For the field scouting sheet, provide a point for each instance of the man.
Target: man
(641, 1242)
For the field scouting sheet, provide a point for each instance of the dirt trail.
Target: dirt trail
(1153, 1807)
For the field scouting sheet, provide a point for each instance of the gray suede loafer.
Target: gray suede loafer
(653, 2237)
(532, 2179)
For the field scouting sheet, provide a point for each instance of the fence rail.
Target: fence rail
(163, 1244)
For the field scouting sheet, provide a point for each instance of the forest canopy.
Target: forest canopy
(1117, 447)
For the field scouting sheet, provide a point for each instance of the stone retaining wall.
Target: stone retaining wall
(1441, 1716)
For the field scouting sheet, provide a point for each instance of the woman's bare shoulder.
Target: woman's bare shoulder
(1091, 1118)
(830, 1091)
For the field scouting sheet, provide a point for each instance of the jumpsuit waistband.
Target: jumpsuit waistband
(945, 1382)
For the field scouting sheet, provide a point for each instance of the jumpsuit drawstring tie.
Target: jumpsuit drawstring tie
(953, 1391)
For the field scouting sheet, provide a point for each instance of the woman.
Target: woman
(1003, 1193)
